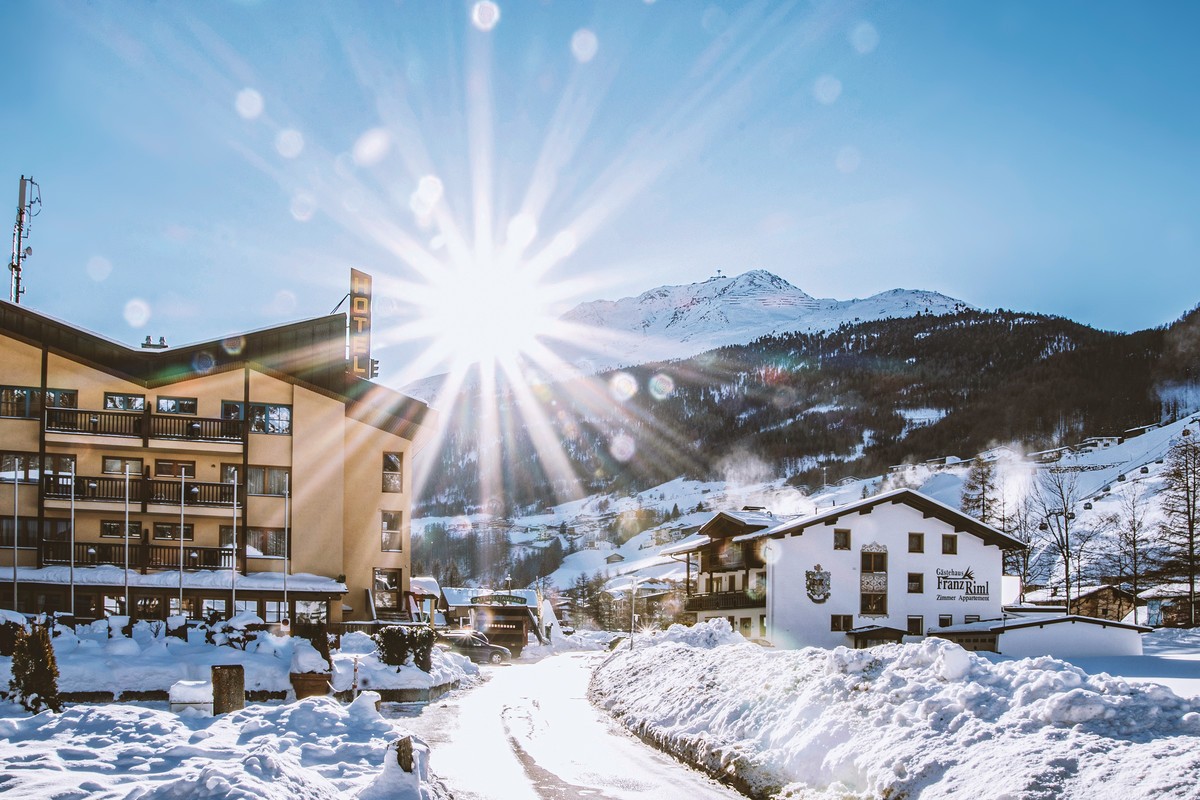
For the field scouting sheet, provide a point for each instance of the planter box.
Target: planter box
(310, 684)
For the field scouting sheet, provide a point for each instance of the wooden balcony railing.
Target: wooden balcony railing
(134, 424)
(142, 556)
(165, 491)
(721, 601)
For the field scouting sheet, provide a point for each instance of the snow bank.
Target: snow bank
(927, 719)
(91, 662)
(315, 748)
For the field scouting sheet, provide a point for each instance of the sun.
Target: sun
(486, 315)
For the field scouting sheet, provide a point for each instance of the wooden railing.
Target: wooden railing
(164, 491)
(134, 424)
(142, 556)
(720, 601)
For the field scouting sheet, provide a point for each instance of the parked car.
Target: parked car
(475, 646)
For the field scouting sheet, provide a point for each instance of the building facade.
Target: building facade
(247, 473)
(896, 564)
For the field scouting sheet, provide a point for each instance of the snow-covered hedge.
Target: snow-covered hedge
(928, 720)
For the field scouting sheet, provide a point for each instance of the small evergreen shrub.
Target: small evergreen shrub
(394, 645)
(34, 682)
(422, 647)
(8, 636)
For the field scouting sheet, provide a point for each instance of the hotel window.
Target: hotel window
(170, 531)
(971, 618)
(393, 538)
(124, 402)
(115, 465)
(916, 543)
(169, 468)
(718, 584)
(212, 605)
(26, 532)
(20, 467)
(874, 562)
(841, 622)
(393, 476)
(111, 529)
(916, 582)
(274, 611)
(945, 620)
(386, 589)
(949, 544)
(263, 417)
(841, 538)
(176, 405)
(916, 626)
(272, 481)
(25, 402)
(260, 542)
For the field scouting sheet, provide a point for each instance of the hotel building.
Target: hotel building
(251, 473)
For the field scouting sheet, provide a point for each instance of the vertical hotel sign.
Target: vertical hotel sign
(360, 324)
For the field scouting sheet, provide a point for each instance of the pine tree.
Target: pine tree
(979, 491)
(1181, 506)
(34, 682)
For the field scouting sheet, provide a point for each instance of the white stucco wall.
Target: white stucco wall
(795, 620)
(1070, 639)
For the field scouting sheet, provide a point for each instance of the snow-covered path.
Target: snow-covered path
(529, 733)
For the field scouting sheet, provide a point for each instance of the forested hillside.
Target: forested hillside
(820, 406)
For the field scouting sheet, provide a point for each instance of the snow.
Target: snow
(316, 748)
(927, 719)
(193, 579)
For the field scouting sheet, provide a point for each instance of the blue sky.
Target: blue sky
(223, 165)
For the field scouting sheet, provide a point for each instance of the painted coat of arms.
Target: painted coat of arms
(816, 581)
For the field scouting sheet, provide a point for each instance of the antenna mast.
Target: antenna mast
(29, 205)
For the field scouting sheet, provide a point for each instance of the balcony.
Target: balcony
(159, 491)
(142, 556)
(131, 424)
(723, 601)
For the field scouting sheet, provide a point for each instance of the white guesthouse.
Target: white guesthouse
(870, 572)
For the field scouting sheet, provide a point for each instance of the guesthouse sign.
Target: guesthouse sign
(960, 584)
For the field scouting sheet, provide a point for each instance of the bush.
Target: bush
(394, 645)
(8, 636)
(397, 642)
(422, 647)
(34, 682)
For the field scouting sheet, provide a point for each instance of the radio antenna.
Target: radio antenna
(29, 205)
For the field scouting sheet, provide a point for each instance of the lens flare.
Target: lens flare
(485, 15)
(372, 147)
(584, 45)
(234, 345)
(289, 143)
(303, 206)
(827, 89)
(864, 38)
(622, 386)
(248, 103)
(203, 362)
(661, 386)
(99, 268)
(137, 312)
(622, 447)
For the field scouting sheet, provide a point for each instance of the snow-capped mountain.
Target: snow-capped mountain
(680, 321)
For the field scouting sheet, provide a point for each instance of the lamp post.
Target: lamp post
(16, 461)
(233, 560)
(72, 541)
(182, 472)
(287, 545)
(125, 538)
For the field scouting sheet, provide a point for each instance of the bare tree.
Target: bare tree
(1180, 499)
(1056, 497)
(1131, 555)
(1021, 522)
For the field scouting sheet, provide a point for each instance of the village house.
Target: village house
(1101, 602)
(873, 571)
(255, 472)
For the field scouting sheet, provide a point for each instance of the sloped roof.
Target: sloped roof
(1001, 625)
(961, 522)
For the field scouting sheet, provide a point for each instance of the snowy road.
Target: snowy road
(529, 733)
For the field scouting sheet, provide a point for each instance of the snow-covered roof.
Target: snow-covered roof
(1001, 625)
(919, 501)
(1048, 595)
(1168, 591)
(192, 579)
(464, 595)
(688, 545)
(424, 584)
